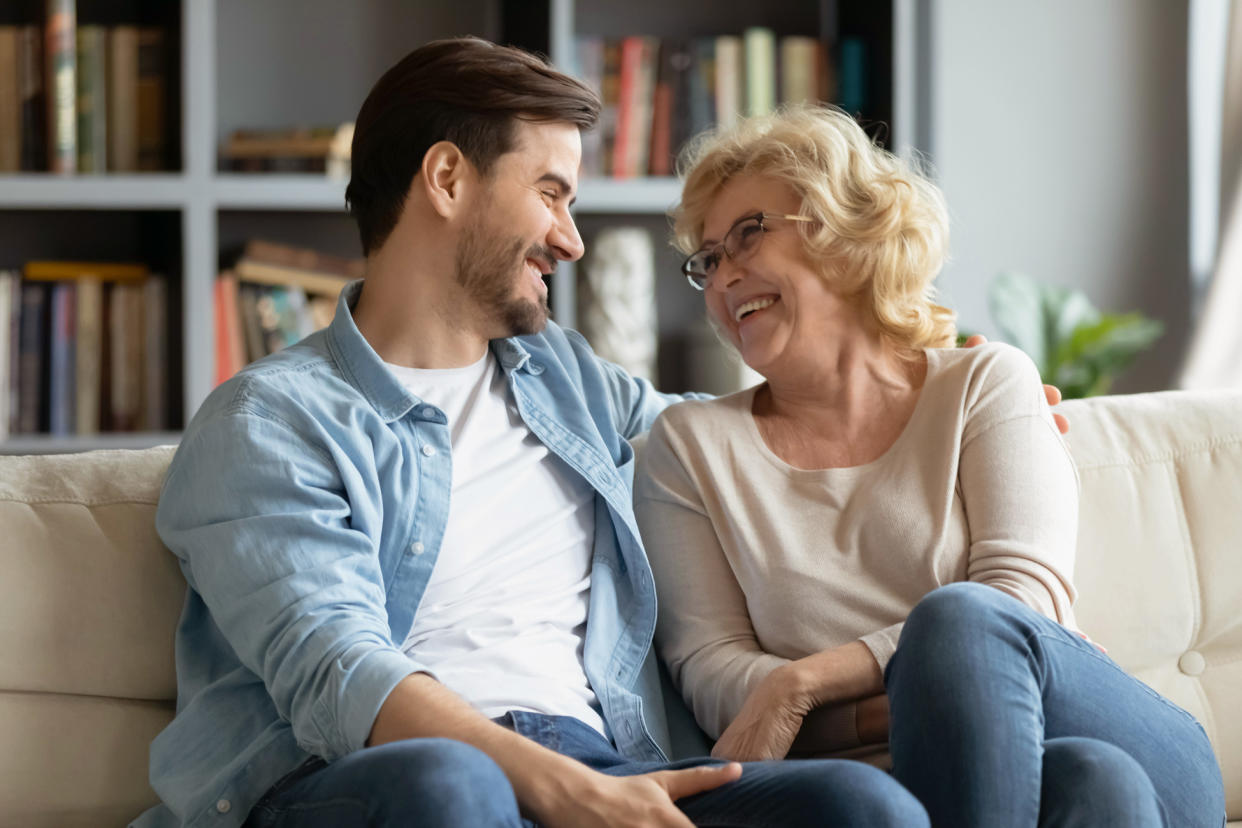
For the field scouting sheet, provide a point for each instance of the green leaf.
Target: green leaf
(1017, 308)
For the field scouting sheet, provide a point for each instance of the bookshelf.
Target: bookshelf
(244, 64)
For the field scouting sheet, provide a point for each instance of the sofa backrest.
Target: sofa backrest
(89, 598)
(1159, 566)
(89, 602)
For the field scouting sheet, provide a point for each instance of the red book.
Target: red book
(627, 105)
(230, 344)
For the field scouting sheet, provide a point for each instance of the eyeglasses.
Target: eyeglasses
(739, 244)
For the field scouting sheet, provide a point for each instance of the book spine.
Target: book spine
(10, 414)
(125, 332)
(230, 346)
(10, 101)
(33, 99)
(89, 353)
(728, 86)
(32, 360)
(62, 116)
(644, 101)
(92, 99)
(760, 58)
(151, 72)
(61, 359)
(7, 280)
(122, 118)
(589, 67)
(155, 353)
(627, 91)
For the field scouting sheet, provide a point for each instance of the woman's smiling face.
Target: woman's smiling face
(772, 305)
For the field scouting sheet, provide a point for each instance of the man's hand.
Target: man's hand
(1050, 391)
(596, 799)
(767, 723)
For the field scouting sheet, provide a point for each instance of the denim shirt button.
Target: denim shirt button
(429, 451)
(224, 806)
(417, 547)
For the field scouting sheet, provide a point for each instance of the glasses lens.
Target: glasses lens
(699, 267)
(744, 238)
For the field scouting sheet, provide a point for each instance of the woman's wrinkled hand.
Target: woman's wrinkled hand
(767, 723)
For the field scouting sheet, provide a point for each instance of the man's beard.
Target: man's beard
(485, 269)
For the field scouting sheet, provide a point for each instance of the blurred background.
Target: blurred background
(172, 179)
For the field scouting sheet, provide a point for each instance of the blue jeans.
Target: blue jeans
(438, 782)
(1000, 717)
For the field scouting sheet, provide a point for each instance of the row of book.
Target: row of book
(83, 349)
(657, 93)
(82, 99)
(273, 296)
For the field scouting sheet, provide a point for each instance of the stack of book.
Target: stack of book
(273, 296)
(296, 149)
(656, 94)
(82, 98)
(83, 348)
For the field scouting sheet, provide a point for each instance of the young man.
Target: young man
(417, 591)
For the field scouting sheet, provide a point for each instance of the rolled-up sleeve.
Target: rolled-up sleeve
(261, 521)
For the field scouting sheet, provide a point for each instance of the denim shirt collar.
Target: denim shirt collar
(364, 368)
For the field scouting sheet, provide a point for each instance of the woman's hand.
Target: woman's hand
(766, 725)
(1051, 392)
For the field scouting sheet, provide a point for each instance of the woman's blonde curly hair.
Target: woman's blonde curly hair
(881, 226)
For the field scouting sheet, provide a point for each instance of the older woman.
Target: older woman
(872, 550)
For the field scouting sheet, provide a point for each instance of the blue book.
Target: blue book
(62, 356)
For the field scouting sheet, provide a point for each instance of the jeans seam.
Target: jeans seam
(1115, 666)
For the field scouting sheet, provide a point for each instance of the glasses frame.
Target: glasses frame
(694, 276)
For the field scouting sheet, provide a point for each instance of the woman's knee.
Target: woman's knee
(1088, 782)
(953, 607)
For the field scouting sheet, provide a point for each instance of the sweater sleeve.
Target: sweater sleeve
(704, 632)
(1019, 488)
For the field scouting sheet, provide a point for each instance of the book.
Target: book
(589, 68)
(92, 103)
(230, 342)
(248, 296)
(60, 54)
(759, 57)
(7, 281)
(10, 102)
(124, 330)
(32, 360)
(10, 414)
(852, 74)
(799, 65)
(154, 344)
(151, 93)
(61, 380)
(44, 271)
(610, 96)
(122, 95)
(728, 80)
(264, 273)
(304, 258)
(33, 97)
(702, 82)
(89, 353)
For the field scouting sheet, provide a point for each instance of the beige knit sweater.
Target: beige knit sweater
(758, 562)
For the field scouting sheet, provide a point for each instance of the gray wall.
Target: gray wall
(1058, 131)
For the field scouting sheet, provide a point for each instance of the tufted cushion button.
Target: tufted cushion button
(1192, 663)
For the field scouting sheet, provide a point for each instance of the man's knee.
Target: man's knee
(439, 781)
(853, 794)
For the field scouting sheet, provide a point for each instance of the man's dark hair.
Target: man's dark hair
(465, 90)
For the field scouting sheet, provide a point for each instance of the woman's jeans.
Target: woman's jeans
(1000, 717)
(438, 783)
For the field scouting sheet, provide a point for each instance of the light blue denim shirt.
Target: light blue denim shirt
(306, 505)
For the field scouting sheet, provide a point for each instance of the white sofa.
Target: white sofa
(89, 598)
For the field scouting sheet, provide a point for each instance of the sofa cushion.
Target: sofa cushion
(1159, 566)
(89, 603)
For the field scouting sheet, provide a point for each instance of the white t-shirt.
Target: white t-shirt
(502, 620)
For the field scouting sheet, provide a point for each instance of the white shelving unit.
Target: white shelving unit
(215, 206)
